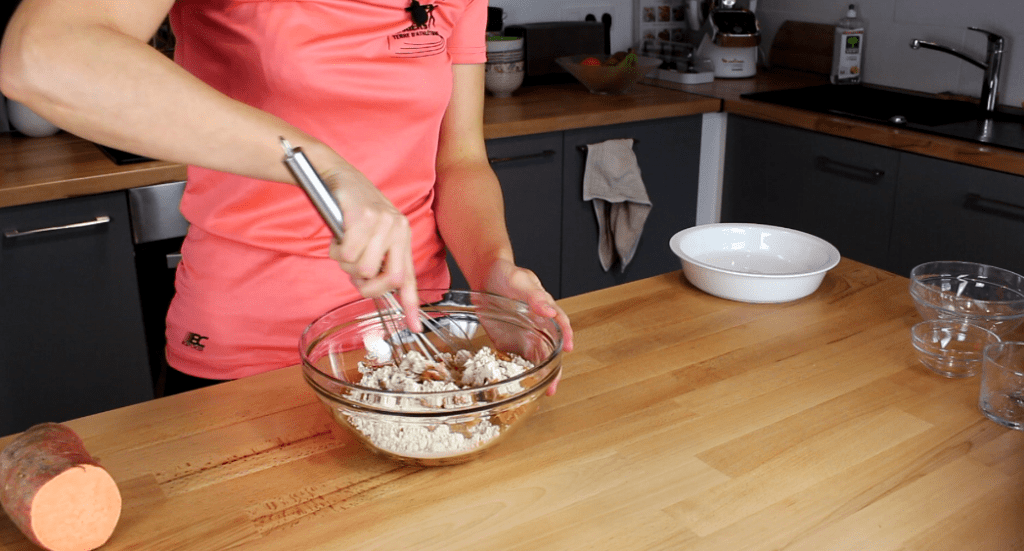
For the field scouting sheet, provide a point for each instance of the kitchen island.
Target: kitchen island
(683, 421)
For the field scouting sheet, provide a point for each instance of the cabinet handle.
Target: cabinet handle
(976, 202)
(545, 153)
(173, 259)
(583, 148)
(100, 220)
(846, 169)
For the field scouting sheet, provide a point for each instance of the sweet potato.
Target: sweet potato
(55, 492)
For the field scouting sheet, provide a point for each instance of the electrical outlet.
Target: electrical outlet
(579, 12)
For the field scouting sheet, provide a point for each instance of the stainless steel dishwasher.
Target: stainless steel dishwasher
(158, 229)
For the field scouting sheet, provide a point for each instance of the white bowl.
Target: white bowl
(753, 262)
(27, 122)
(504, 43)
(501, 79)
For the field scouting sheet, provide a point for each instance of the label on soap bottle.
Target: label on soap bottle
(847, 62)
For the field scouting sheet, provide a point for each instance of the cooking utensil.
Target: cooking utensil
(388, 309)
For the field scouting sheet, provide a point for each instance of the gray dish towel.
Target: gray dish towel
(612, 181)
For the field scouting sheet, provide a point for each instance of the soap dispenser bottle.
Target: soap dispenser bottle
(848, 51)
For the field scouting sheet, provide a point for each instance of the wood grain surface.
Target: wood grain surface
(683, 421)
(803, 46)
(61, 166)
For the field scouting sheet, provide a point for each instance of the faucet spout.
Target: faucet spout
(991, 65)
(918, 44)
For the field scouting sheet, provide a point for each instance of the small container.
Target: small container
(1002, 384)
(848, 49)
(951, 348)
(980, 294)
(505, 69)
(431, 428)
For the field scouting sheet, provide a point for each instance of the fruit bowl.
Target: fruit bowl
(426, 424)
(608, 79)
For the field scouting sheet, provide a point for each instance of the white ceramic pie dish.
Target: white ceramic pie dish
(753, 262)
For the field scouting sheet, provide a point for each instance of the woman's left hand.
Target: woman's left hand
(508, 280)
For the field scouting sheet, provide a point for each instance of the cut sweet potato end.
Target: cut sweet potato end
(76, 510)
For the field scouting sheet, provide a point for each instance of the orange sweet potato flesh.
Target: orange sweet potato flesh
(55, 492)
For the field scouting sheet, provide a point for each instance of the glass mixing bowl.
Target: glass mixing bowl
(430, 428)
(987, 296)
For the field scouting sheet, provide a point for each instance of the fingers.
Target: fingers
(543, 304)
(377, 247)
(553, 387)
(409, 298)
(374, 233)
(520, 283)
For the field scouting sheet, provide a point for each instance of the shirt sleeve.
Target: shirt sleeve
(468, 42)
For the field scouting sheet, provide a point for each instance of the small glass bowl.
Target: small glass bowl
(980, 294)
(431, 428)
(951, 348)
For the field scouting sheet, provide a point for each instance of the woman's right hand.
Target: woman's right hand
(377, 247)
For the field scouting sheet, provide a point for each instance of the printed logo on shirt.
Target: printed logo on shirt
(418, 39)
(195, 341)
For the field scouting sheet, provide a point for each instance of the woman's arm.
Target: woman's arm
(470, 209)
(86, 66)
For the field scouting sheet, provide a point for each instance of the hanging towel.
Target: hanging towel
(612, 181)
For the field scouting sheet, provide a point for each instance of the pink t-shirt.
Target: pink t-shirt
(364, 77)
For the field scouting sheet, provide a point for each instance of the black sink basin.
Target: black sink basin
(953, 118)
(873, 103)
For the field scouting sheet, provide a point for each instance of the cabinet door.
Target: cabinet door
(71, 335)
(530, 171)
(668, 153)
(949, 211)
(839, 190)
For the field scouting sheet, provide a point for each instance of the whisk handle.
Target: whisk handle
(314, 187)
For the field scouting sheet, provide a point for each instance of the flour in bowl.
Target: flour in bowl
(416, 373)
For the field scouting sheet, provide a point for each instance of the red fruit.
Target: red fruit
(591, 61)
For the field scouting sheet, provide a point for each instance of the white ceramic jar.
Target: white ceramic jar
(505, 69)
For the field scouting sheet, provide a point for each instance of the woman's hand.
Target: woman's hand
(508, 280)
(377, 247)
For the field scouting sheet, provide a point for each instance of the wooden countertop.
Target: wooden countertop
(61, 166)
(682, 421)
(539, 109)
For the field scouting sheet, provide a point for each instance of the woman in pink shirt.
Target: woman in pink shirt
(384, 96)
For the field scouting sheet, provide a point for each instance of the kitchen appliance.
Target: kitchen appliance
(544, 42)
(158, 229)
(732, 44)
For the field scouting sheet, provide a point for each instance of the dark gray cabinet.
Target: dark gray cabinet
(949, 211)
(887, 208)
(668, 153)
(840, 190)
(530, 171)
(554, 231)
(71, 334)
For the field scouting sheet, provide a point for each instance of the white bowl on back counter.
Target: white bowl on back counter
(753, 262)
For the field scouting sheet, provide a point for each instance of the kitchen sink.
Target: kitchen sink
(916, 111)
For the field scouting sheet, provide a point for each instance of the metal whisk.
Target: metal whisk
(388, 309)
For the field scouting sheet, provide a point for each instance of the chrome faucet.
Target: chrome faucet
(993, 59)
